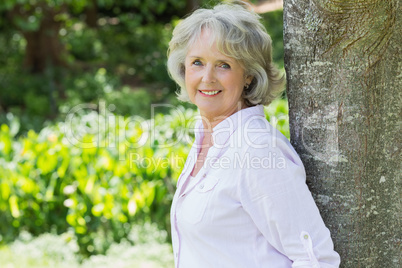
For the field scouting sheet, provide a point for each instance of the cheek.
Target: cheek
(236, 85)
(187, 81)
(189, 76)
(190, 84)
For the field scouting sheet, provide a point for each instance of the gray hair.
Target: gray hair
(238, 34)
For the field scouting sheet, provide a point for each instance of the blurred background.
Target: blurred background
(92, 137)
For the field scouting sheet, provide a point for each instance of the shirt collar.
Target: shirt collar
(222, 132)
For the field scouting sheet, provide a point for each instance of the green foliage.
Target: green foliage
(277, 113)
(97, 173)
(145, 246)
(128, 102)
(141, 49)
(273, 22)
(100, 170)
(93, 172)
(129, 42)
(83, 42)
(89, 86)
(127, 48)
(47, 250)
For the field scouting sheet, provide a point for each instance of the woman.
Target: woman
(241, 200)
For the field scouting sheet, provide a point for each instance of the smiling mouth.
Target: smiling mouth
(210, 92)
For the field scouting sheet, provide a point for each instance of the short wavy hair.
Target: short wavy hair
(238, 34)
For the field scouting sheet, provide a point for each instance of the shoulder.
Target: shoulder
(260, 139)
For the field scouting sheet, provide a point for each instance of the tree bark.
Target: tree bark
(192, 5)
(91, 14)
(43, 48)
(342, 60)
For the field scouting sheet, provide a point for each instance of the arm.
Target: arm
(281, 206)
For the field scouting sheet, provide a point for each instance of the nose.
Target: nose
(209, 75)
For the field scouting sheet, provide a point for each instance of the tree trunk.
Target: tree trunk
(91, 14)
(192, 5)
(342, 60)
(43, 48)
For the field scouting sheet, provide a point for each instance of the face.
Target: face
(214, 81)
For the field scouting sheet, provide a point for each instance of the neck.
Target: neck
(211, 121)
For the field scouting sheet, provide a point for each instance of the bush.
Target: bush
(277, 113)
(273, 22)
(96, 173)
(47, 250)
(144, 247)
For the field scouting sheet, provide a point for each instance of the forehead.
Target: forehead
(207, 40)
(203, 37)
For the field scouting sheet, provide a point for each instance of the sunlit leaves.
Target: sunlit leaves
(101, 180)
(87, 183)
(277, 115)
(15, 212)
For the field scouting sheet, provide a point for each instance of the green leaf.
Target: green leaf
(15, 212)
(5, 190)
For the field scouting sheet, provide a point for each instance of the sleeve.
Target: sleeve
(274, 193)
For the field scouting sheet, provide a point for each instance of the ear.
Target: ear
(249, 79)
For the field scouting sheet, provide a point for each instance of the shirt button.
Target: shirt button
(177, 255)
(204, 175)
(201, 186)
(305, 236)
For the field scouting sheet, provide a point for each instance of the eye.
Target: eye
(197, 63)
(225, 66)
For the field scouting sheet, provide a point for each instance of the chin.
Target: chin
(208, 109)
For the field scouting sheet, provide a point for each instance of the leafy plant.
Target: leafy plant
(92, 172)
(145, 246)
(96, 173)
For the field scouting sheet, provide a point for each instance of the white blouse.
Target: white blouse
(249, 205)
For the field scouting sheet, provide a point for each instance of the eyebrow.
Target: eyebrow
(224, 60)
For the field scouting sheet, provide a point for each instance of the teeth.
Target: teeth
(210, 92)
